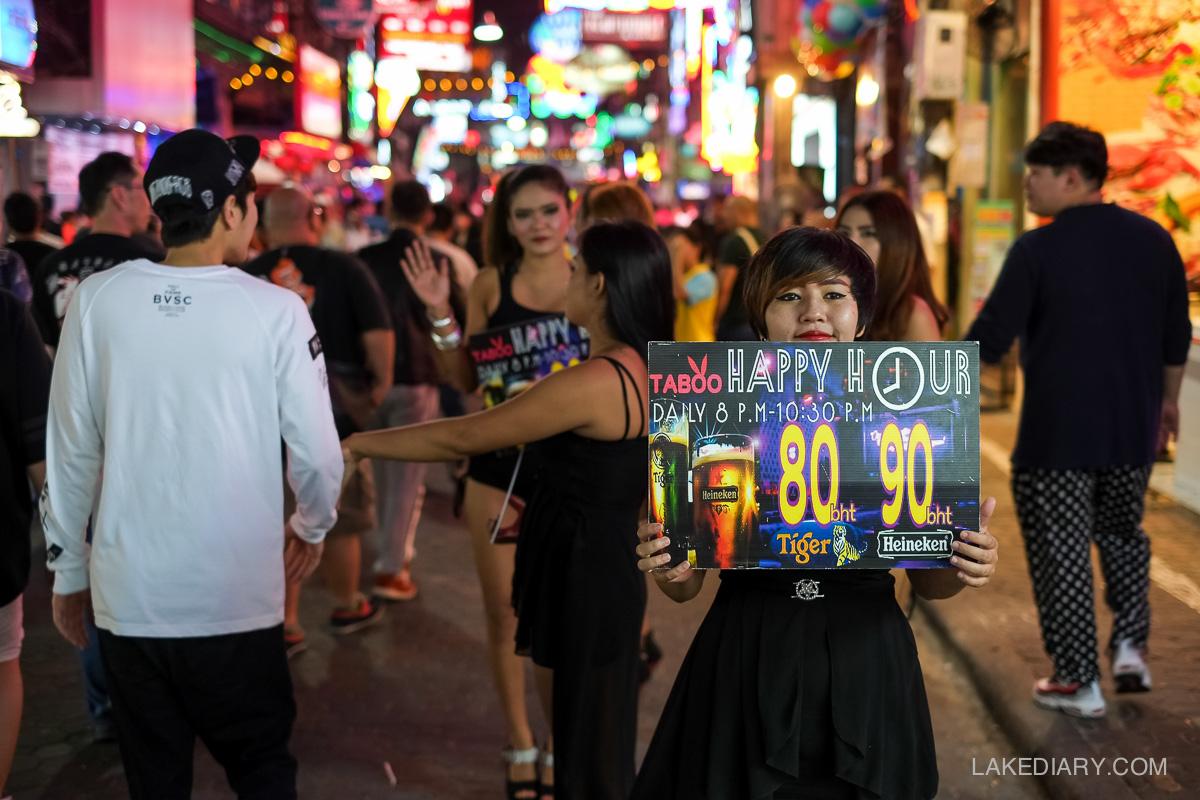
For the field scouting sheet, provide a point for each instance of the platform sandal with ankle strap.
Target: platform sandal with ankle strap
(546, 790)
(520, 790)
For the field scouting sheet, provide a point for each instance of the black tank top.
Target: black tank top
(508, 310)
(495, 469)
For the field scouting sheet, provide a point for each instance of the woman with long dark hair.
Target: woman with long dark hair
(577, 591)
(883, 225)
(906, 309)
(782, 698)
(525, 277)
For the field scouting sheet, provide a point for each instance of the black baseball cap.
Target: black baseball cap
(194, 171)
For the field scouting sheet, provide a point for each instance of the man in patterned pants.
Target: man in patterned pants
(1098, 299)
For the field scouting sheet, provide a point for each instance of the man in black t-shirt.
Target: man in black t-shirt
(1099, 300)
(24, 398)
(110, 191)
(356, 335)
(742, 240)
(414, 395)
(24, 217)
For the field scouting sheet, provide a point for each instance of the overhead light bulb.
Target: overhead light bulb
(489, 30)
(785, 86)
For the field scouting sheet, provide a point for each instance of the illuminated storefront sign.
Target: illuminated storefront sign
(433, 36)
(18, 36)
(550, 96)
(396, 82)
(628, 30)
(814, 138)
(628, 6)
(347, 19)
(319, 94)
(729, 108)
(557, 37)
(360, 102)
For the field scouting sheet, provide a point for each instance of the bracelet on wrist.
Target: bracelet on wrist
(441, 322)
(449, 341)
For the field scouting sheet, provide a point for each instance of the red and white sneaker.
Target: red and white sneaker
(395, 587)
(1129, 667)
(1074, 699)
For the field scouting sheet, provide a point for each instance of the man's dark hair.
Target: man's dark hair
(185, 230)
(98, 176)
(410, 201)
(443, 217)
(1063, 144)
(23, 213)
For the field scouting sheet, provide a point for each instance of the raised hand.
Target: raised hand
(429, 277)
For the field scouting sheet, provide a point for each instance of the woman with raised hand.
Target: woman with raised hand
(781, 697)
(577, 591)
(525, 277)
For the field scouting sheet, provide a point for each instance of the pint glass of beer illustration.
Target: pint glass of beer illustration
(726, 512)
(669, 475)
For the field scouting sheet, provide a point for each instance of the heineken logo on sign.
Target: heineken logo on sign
(932, 544)
(722, 494)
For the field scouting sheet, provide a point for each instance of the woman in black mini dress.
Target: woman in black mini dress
(791, 694)
(577, 590)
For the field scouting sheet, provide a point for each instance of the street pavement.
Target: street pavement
(412, 698)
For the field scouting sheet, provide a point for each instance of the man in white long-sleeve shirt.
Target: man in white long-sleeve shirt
(173, 386)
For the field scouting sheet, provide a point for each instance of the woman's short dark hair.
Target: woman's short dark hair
(803, 255)
(500, 248)
(187, 230)
(636, 267)
(1063, 144)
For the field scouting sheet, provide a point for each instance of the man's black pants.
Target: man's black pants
(233, 691)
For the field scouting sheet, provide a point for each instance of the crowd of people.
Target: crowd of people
(180, 533)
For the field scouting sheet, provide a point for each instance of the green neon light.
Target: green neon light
(250, 52)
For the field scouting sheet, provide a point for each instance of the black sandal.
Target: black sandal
(520, 790)
(546, 790)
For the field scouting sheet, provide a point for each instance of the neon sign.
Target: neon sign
(359, 101)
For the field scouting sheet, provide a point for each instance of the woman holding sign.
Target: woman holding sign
(577, 591)
(791, 694)
(526, 279)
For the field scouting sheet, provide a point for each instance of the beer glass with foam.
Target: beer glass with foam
(723, 494)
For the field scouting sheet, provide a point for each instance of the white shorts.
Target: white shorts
(11, 630)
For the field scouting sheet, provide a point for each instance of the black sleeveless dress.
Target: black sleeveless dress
(579, 599)
(495, 469)
(798, 684)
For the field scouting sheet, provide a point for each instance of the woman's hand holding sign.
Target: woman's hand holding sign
(680, 582)
(977, 552)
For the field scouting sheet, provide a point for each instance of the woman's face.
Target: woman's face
(856, 223)
(819, 311)
(538, 219)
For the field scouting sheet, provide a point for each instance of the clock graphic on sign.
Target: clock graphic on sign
(899, 378)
